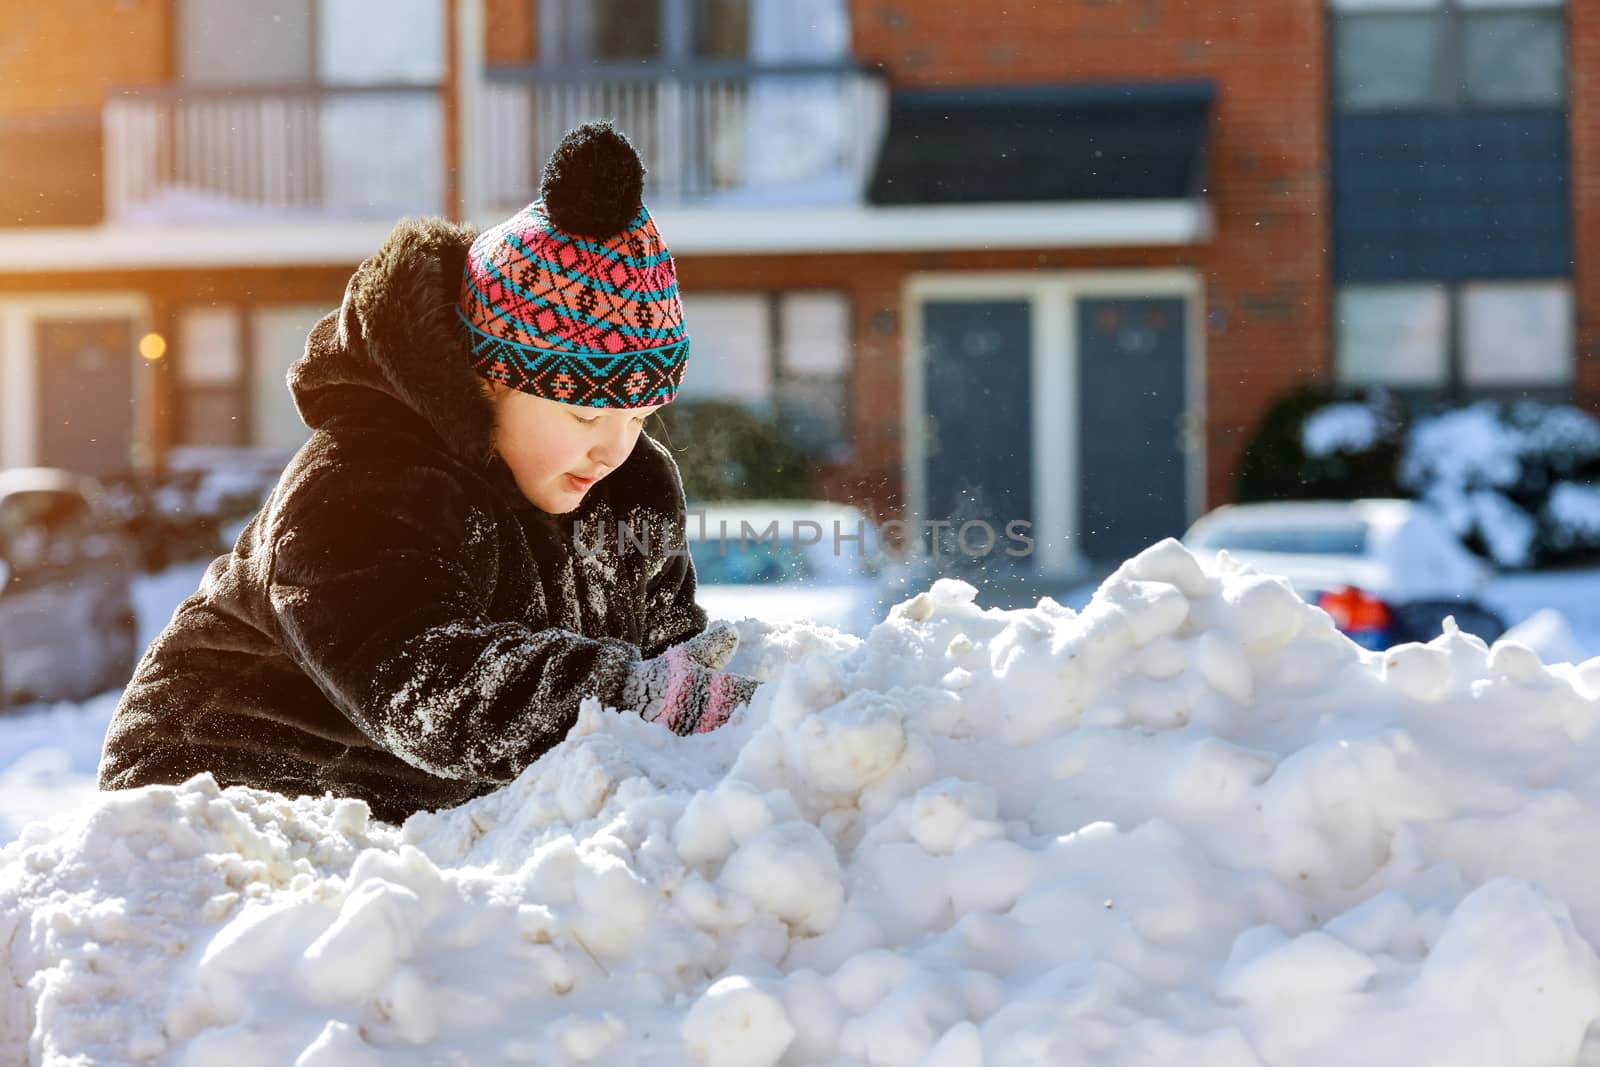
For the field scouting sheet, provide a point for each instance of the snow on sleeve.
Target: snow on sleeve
(1192, 823)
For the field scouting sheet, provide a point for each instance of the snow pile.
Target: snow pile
(1191, 824)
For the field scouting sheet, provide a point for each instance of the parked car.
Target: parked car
(787, 561)
(67, 624)
(1388, 571)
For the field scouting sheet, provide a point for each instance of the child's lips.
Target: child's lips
(579, 484)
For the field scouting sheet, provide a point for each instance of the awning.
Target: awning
(993, 145)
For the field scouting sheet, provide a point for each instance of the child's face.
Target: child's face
(557, 452)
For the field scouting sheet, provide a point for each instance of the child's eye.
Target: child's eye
(587, 422)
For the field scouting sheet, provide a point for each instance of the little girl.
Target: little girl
(417, 612)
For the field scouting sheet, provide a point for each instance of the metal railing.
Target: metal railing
(177, 153)
(723, 133)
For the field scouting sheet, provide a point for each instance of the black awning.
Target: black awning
(1137, 141)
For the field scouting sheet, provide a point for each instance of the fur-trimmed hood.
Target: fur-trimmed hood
(397, 333)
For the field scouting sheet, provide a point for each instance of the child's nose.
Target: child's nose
(612, 449)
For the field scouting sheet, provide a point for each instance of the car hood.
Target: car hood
(843, 607)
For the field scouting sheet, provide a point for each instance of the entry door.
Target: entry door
(85, 376)
(976, 434)
(1132, 446)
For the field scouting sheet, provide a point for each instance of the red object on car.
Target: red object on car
(1366, 618)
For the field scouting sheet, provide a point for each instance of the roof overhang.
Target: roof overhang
(689, 231)
(1060, 143)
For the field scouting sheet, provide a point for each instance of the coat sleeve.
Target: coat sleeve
(671, 614)
(379, 586)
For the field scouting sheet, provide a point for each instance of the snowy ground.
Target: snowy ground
(48, 754)
(1191, 823)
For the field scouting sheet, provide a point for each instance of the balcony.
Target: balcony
(733, 135)
(180, 154)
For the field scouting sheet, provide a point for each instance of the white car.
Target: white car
(1388, 571)
(67, 623)
(784, 561)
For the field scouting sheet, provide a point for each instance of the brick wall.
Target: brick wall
(509, 31)
(1266, 269)
(59, 56)
(1583, 30)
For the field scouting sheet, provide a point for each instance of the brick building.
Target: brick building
(1048, 261)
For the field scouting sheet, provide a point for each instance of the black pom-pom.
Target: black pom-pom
(593, 182)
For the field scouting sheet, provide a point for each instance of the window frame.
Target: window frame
(679, 34)
(780, 374)
(232, 394)
(1455, 384)
(1449, 92)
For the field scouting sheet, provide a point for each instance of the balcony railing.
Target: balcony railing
(717, 133)
(224, 154)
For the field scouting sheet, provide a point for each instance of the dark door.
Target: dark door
(1131, 401)
(85, 376)
(977, 436)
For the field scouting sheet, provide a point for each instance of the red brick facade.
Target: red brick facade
(61, 56)
(1583, 36)
(1266, 268)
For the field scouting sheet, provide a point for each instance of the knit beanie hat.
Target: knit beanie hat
(575, 298)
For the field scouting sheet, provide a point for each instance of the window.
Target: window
(730, 349)
(1386, 60)
(1393, 334)
(232, 367)
(210, 367)
(721, 29)
(1434, 54)
(814, 356)
(1333, 539)
(1517, 333)
(238, 42)
(785, 356)
(668, 31)
(748, 561)
(1473, 336)
(278, 336)
(342, 42)
(1514, 59)
(573, 32)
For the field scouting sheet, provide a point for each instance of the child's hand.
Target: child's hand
(684, 688)
(713, 647)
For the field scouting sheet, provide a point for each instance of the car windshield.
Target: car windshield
(748, 562)
(1301, 539)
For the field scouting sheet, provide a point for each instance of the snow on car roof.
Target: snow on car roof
(1381, 515)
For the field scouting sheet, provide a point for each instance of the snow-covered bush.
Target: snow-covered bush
(1319, 443)
(1519, 482)
(1514, 480)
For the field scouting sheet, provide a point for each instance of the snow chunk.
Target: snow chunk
(736, 1023)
